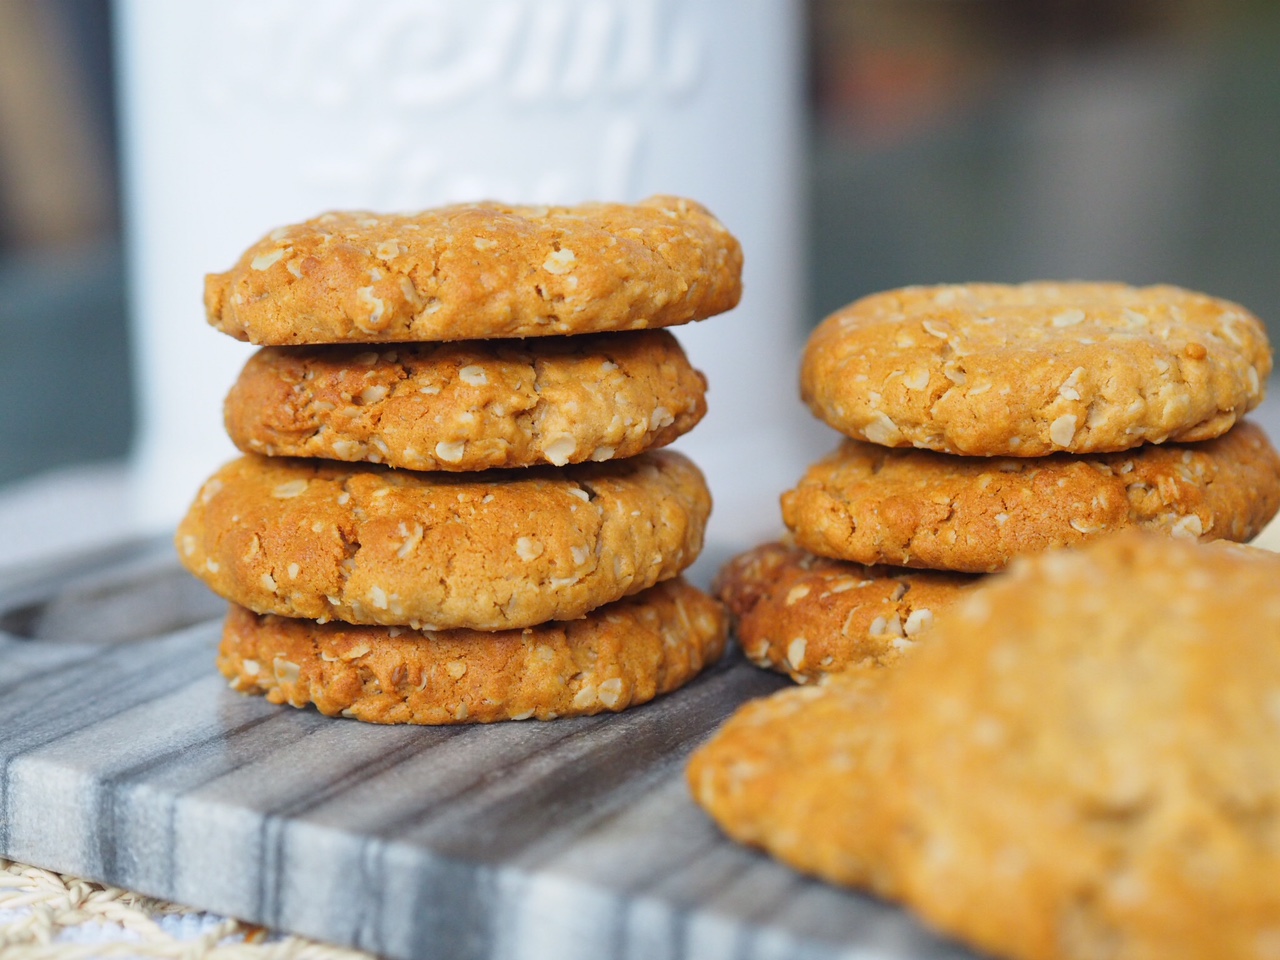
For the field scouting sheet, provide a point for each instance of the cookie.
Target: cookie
(478, 271)
(618, 656)
(799, 774)
(994, 370)
(487, 551)
(1082, 761)
(916, 508)
(1115, 713)
(469, 406)
(809, 616)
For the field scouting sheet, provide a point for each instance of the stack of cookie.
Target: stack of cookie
(988, 421)
(435, 522)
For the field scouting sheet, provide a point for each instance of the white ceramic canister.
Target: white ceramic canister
(242, 115)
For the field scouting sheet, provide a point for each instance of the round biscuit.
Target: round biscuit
(618, 656)
(799, 773)
(997, 370)
(917, 508)
(809, 616)
(1094, 742)
(468, 406)
(487, 551)
(1082, 762)
(479, 271)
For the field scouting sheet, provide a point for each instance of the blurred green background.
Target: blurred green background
(949, 140)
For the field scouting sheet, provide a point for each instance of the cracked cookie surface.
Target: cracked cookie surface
(487, 551)
(619, 655)
(478, 271)
(469, 406)
(916, 508)
(809, 616)
(996, 370)
(1082, 762)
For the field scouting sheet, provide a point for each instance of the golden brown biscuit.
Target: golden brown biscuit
(477, 271)
(988, 369)
(1082, 762)
(809, 616)
(487, 551)
(1114, 712)
(799, 773)
(469, 406)
(618, 656)
(917, 508)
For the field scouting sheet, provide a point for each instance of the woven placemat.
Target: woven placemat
(51, 916)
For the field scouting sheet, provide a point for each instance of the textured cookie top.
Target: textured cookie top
(477, 271)
(809, 616)
(917, 508)
(619, 655)
(466, 406)
(1082, 762)
(487, 551)
(989, 369)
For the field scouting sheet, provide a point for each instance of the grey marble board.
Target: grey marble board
(126, 759)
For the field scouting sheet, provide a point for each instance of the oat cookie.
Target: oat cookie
(619, 655)
(799, 774)
(916, 508)
(809, 616)
(481, 270)
(486, 551)
(468, 406)
(1117, 708)
(988, 369)
(1083, 761)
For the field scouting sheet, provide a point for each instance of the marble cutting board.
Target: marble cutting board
(125, 758)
